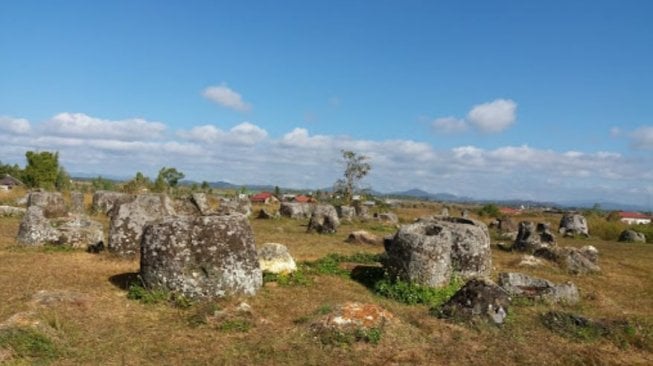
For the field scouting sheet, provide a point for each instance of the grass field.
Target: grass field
(102, 326)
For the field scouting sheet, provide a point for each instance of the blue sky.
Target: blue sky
(503, 99)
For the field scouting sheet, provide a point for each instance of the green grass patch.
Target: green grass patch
(297, 278)
(330, 264)
(29, 344)
(412, 293)
(235, 325)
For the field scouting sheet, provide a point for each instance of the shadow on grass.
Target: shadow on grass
(367, 276)
(124, 280)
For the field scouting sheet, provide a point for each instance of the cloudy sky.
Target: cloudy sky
(504, 99)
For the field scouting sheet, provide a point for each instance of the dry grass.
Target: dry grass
(109, 329)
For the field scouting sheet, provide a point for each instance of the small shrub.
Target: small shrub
(372, 335)
(146, 296)
(412, 294)
(297, 278)
(28, 344)
(490, 210)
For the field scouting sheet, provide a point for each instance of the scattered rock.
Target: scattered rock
(52, 203)
(46, 298)
(35, 228)
(362, 212)
(352, 321)
(10, 211)
(324, 220)
(202, 203)
(296, 210)
(572, 224)
(387, 218)
(532, 237)
(464, 214)
(266, 215)
(346, 213)
(77, 232)
(478, 299)
(240, 206)
(77, 202)
(518, 284)
(530, 261)
(430, 250)
(129, 219)
(201, 257)
(444, 212)
(632, 236)
(105, 201)
(80, 232)
(275, 258)
(363, 237)
(573, 260)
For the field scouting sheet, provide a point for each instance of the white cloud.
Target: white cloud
(226, 97)
(494, 116)
(82, 125)
(246, 153)
(18, 126)
(491, 117)
(642, 138)
(449, 125)
(243, 134)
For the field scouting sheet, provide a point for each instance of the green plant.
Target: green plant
(28, 344)
(412, 293)
(490, 210)
(147, 296)
(297, 278)
(235, 325)
(371, 335)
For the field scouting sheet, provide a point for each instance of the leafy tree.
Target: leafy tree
(490, 210)
(13, 170)
(139, 182)
(42, 169)
(277, 192)
(63, 181)
(205, 185)
(100, 183)
(171, 176)
(356, 168)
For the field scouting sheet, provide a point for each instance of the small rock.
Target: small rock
(518, 284)
(632, 236)
(363, 237)
(324, 220)
(387, 218)
(478, 299)
(275, 258)
(530, 261)
(351, 321)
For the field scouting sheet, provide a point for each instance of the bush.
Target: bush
(490, 210)
(28, 344)
(412, 293)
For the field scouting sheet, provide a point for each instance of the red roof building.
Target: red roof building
(263, 197)
(304, 199)
(634, 218)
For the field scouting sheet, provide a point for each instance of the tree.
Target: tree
(100, 183)
(490, 210)
(138, 183)
(277, 192)
(13, 170)
(205, 186)
(63, 181)
(356, 168)
(168, 177)
(42, 169)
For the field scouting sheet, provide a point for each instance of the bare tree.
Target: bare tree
(356, 168)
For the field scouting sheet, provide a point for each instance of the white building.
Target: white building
(634, 218)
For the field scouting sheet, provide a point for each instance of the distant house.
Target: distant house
(509, 211)
(631, 218)
(304, 199)
(263, 197)
(8, 182)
